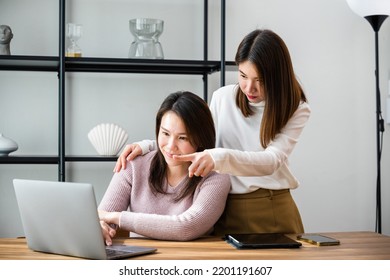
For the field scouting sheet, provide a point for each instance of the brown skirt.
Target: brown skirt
(260, 211)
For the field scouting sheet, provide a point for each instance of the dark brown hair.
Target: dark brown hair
(283, 93)
(197, 118)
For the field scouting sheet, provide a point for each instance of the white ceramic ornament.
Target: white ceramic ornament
(107, 138)
(7, 146)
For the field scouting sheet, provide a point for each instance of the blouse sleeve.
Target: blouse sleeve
(266, 162)
(197, 220)
(147, 145)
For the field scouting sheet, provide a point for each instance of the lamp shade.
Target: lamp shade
(366, 8)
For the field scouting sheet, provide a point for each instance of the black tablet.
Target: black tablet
(261, 240)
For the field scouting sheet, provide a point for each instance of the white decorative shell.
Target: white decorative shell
(107, 138)
(7, 146)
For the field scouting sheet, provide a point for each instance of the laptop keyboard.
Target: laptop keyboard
(113, 253)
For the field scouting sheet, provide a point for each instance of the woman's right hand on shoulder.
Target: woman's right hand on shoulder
(130, 152)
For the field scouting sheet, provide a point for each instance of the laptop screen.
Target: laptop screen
(61, 218)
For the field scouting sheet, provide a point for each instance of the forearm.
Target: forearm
(252, 160)
(163, 227)
(241, 163)
(196, 221)
(111, 218)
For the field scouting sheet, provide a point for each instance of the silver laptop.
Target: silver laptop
(62, 218)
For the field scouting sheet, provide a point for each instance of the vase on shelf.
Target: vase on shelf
(146, 32)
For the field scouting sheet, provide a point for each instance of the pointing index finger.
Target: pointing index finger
(188, 157)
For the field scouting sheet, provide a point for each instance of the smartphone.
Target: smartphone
(318, 239)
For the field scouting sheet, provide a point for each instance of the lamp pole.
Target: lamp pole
(376, 23)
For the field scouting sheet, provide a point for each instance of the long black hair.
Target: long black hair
(283, 93)
(198, 121)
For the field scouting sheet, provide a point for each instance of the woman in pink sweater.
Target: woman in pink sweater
(153, 196)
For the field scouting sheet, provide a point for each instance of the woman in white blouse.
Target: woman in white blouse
(258, 123)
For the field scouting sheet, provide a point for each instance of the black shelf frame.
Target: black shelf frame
(29, 63)
(107, 65)
(146, 66)
(62, 64)
(29, 159)
(54, 159)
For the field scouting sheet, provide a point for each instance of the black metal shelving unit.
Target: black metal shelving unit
(53, 159)
(29, 63)
(146, 66)
(62, 64)
(113, 65)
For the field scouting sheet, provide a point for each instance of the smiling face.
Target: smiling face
(250, 82)
(173, 139)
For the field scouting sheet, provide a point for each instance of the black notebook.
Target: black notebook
(261, 240)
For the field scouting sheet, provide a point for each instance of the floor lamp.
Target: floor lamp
(375, 12)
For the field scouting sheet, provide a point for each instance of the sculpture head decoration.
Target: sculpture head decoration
(5, 39)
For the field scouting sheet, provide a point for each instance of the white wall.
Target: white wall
(333, 53)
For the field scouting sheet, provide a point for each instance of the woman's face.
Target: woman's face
(250, 82)
(173, 139)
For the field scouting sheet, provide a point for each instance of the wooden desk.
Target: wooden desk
(354, 245)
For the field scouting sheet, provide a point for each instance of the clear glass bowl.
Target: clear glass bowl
(146, 32)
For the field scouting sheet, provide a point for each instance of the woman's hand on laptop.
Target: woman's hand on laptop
(107, 219)
(108, 233)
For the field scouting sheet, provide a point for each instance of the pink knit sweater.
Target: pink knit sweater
(159, 216)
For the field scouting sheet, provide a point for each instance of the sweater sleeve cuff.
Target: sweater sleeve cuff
(215, 155)
(146, 146)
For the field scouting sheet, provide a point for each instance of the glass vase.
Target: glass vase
(146, 32)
